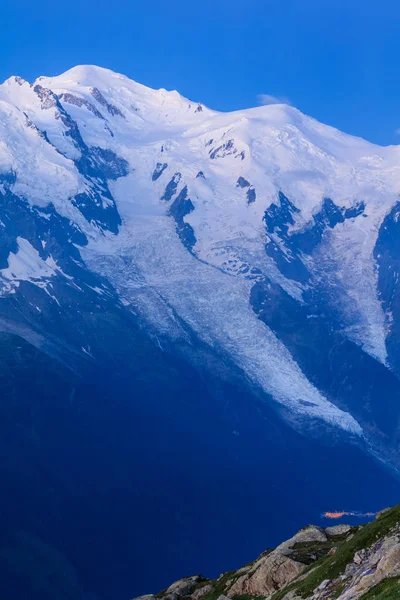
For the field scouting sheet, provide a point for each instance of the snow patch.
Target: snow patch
(27, 265)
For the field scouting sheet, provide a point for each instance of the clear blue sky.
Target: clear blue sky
(336, 60)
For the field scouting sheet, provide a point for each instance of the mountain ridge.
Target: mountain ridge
(188, 300)
(219, 241)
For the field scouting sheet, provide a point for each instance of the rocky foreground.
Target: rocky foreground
(340, 562)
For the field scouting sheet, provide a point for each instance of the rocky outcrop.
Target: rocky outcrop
(353, 563)
(337, 530)
(277, 569)
(370, 567)
(184, 587)
(268, 575)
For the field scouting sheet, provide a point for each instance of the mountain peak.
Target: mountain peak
(100, 77)
(183, 294)
(88, 76)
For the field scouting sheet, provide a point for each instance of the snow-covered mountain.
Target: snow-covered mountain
(148, 236)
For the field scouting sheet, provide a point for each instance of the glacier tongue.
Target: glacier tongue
(275, 148)
(148, 256)
(89, 137)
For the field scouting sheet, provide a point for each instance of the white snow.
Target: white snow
(27, 265)
(273, 147)
(149, 266)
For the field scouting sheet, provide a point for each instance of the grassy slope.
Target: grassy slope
(389, 589)
(330, 567)
(326, 567)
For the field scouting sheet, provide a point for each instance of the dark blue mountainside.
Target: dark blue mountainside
(194, 361)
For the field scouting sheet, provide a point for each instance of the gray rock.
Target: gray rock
(337, 530)
(359, 557)
(183, 587)
(311, 533)
(200, 592)
(267, 575)
(324, 584)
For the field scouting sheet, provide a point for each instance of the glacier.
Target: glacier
(148, 240)
(272, 147)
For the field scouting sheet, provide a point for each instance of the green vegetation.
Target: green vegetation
(388, 589)
(247, 597)
(320, 565)
(309, 552)
(219, 585)
(330, 567)
(201, 584)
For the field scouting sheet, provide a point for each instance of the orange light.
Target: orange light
(338, 514)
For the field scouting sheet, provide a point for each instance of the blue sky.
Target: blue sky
(336, 60)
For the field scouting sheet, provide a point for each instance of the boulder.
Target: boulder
(183, 587)
(267, 575)
(337, 530)
(311, 533)
(359, 557)
(389, 564)
(200, 592)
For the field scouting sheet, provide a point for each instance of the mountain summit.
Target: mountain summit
(183, 290)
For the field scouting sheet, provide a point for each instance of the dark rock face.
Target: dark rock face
(181, 207)
(338, 367)
(171, 188)
(251, 192)
(251, 195)
(40, 133)
(121, 447)
(47, 231)
(242, 182)
(387, 256)
(328, 216)
(158, 171)
(97, 165)
(312, 328)
(223, 150)
(113, 110)
(47, 97)
(77, 101)
(107, 163)
(280, 218)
